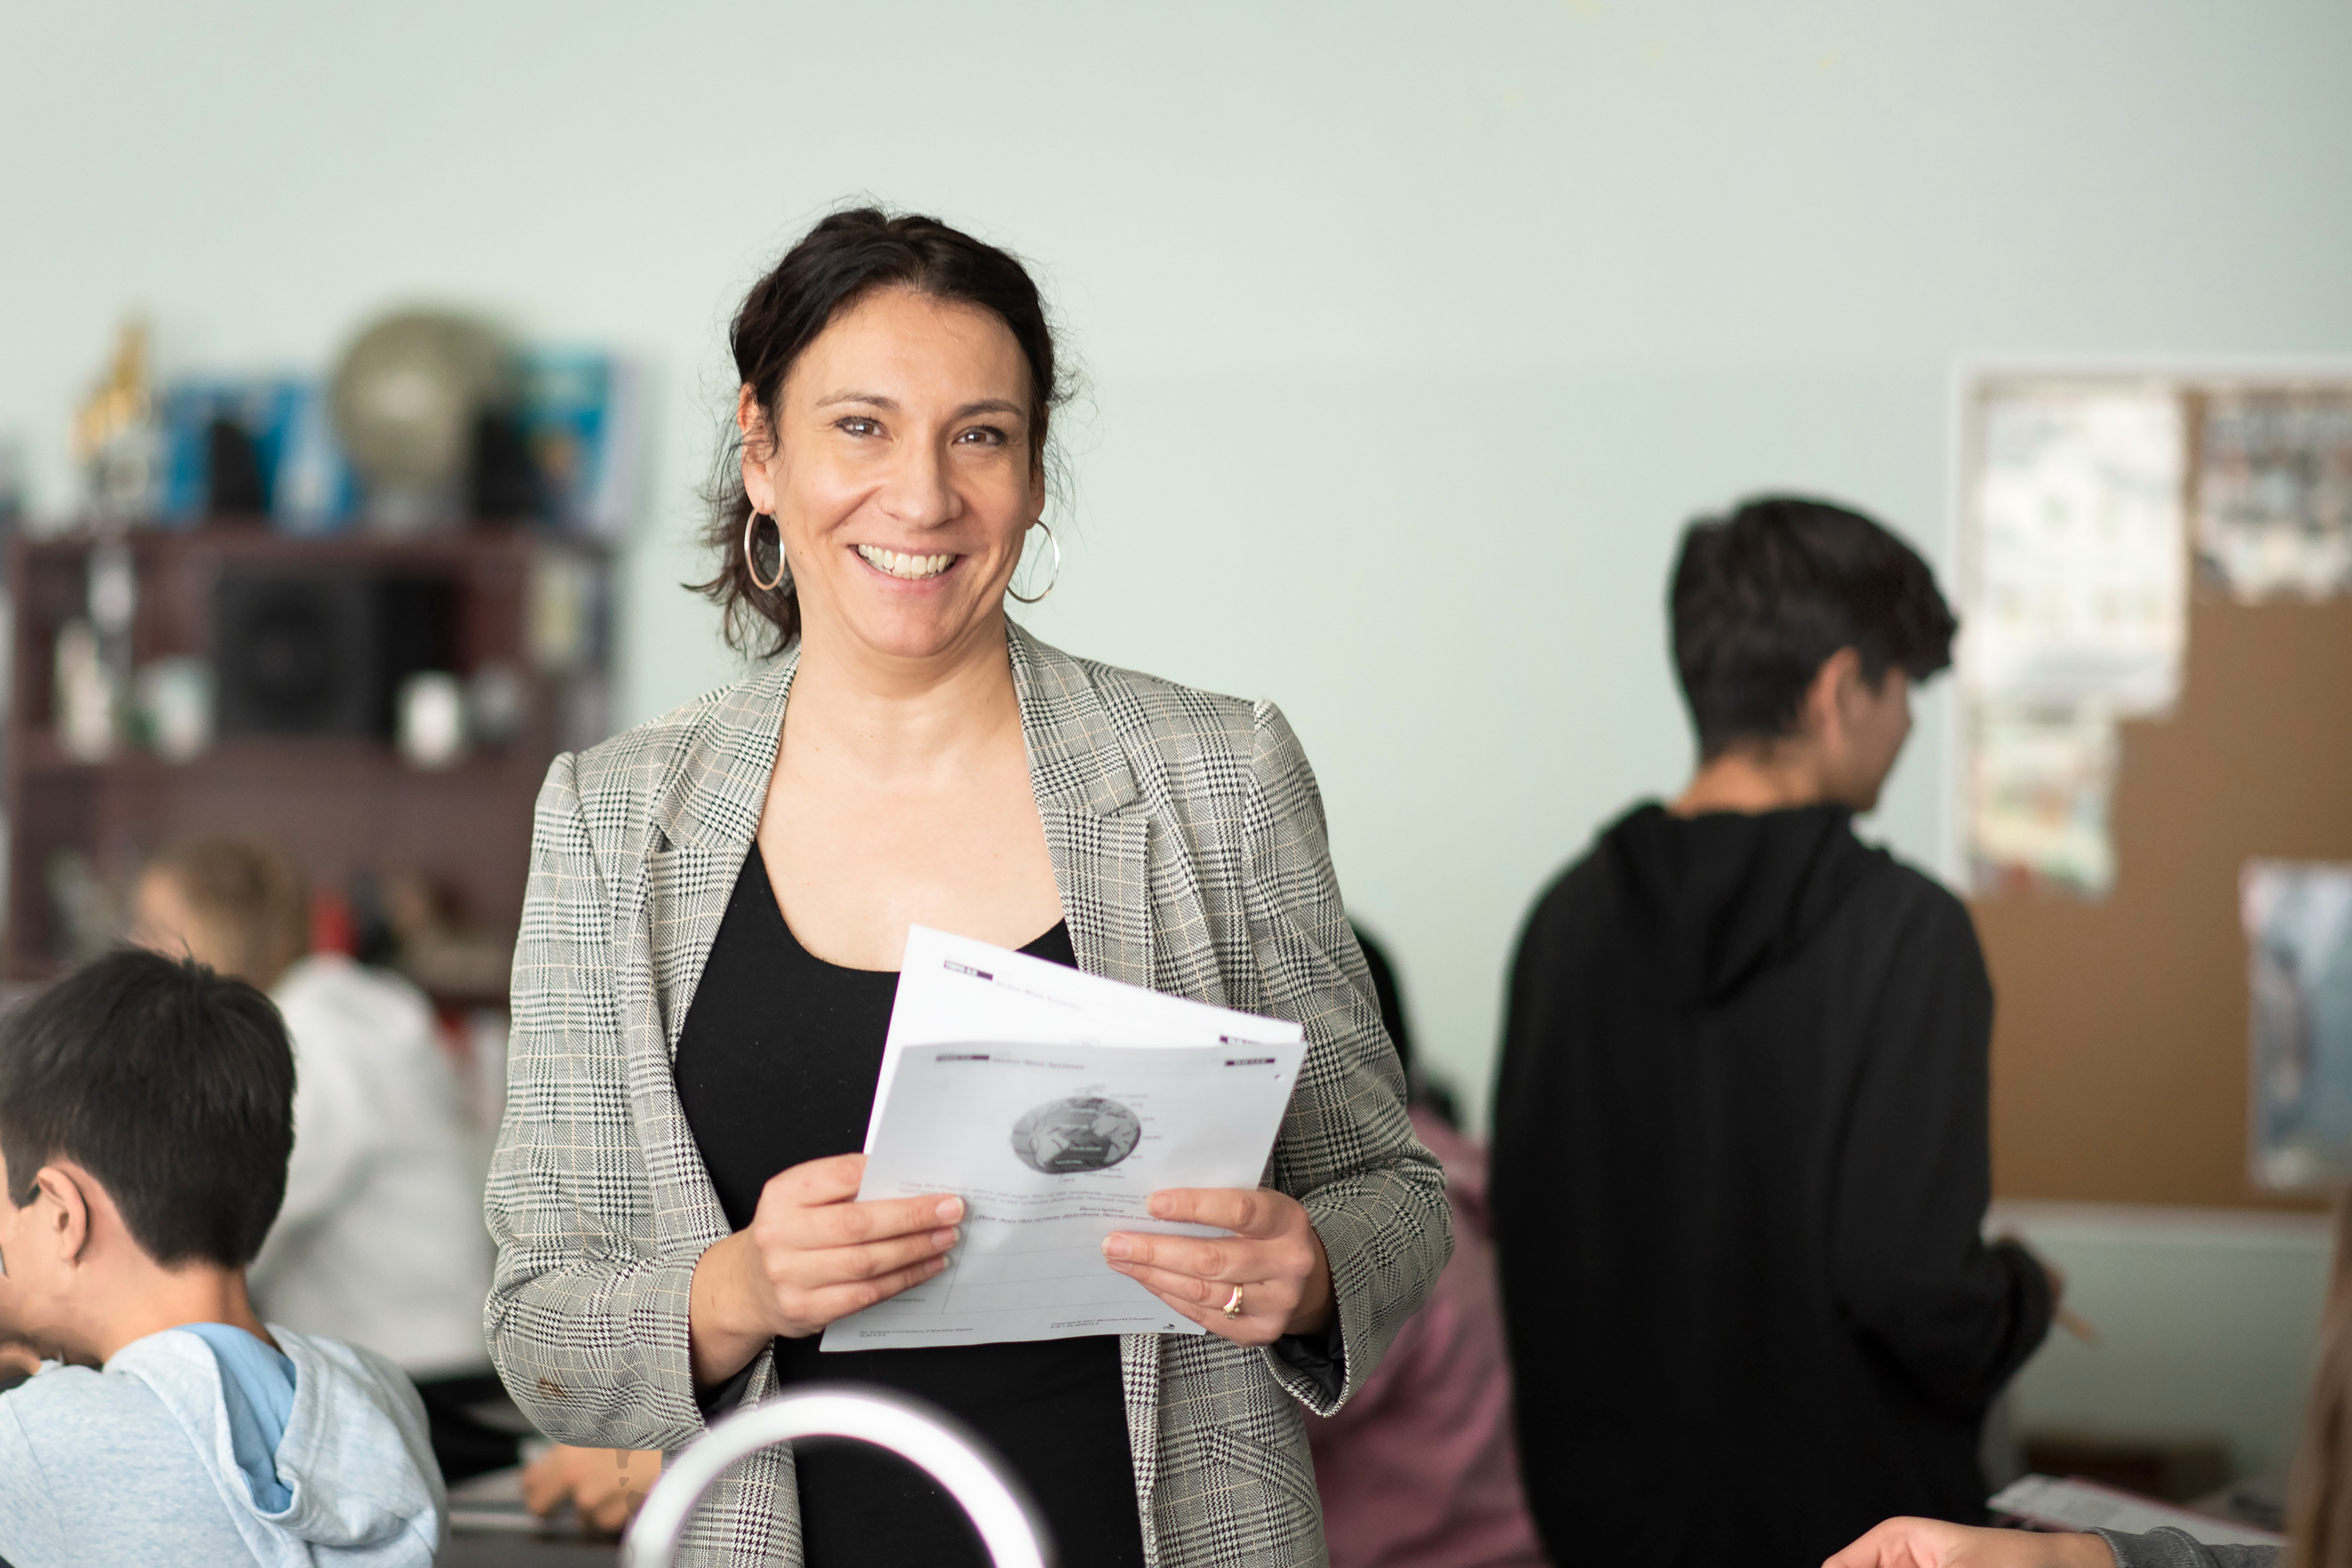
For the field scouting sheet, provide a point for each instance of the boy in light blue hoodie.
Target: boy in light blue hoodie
(146, 1113)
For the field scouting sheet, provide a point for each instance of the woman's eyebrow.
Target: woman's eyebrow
(877, 400)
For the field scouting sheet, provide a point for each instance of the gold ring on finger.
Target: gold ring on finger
(1233, 1303)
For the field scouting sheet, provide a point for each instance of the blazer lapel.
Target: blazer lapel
(704, 818)
(707, 811)
(1097, 828)
(1098, 825)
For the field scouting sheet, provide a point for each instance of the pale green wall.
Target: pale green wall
(2207, 1324)
(1413, 332)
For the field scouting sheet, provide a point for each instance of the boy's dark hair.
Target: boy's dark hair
(1763, 597)
(173, 1086)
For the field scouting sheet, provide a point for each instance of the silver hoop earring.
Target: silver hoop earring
(1035, 598)
(752, 563)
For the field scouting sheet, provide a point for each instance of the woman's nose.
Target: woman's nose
(919, 490)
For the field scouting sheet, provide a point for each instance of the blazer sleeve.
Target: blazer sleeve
(2175, 1548)
(586, 1323)
(1346, 1151)
(1908, 1263)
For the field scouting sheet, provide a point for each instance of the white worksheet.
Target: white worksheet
(1054, 1103)
(953, 989)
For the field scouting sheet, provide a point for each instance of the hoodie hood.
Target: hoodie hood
(354, 1458)
(1721, 898)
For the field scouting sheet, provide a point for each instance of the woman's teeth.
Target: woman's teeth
(898, 563)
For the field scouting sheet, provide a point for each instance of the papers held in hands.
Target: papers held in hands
(1055, 1104)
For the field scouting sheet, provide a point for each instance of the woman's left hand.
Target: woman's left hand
(1274, 1254)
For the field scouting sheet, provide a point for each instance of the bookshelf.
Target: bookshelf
(346, 808)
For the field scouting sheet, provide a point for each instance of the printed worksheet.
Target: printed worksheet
(953, 989)
(1054, 1103)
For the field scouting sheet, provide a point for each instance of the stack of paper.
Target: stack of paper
(1054, 1103)
(2053, 1504)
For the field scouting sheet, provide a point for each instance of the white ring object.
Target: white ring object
(988, 1493)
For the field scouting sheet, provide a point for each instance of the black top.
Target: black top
(776, 1065)
(1740, 1163)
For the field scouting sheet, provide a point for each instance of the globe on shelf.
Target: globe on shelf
(408, 398)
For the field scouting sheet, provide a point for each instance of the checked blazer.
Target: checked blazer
(1187, 838)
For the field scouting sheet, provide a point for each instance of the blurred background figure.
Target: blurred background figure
(1741, 1158)
(1420, 1469)
(380, 1240)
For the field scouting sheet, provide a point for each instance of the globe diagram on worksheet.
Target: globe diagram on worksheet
(1070, 1137)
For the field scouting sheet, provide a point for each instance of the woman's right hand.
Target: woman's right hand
(809, 1254)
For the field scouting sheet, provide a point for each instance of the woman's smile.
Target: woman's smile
(898, 564)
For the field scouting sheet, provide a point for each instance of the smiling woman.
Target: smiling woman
(846, 261)
(718, 906)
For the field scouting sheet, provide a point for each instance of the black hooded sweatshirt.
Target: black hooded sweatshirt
(1740, 1166)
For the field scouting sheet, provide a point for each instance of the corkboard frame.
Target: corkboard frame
(2119, 1070)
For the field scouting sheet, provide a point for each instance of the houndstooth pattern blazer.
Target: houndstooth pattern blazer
(1187, 838)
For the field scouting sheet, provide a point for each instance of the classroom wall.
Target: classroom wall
(2206, 1325)
(1412, 333)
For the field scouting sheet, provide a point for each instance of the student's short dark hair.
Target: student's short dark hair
(172, 1085)
(1763, 597)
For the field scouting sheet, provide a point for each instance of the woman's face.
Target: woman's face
(903, 473)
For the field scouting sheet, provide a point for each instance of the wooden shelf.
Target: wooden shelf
(325, 761)
(340, 806)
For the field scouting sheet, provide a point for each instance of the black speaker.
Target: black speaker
(323, 653)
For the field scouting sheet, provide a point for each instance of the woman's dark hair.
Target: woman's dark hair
(1762, 598)
(843, 260)
(172, 1085)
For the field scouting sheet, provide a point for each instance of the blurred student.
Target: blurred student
(146, 1114)
(1419, 1470)
(1740, 1130)
(381, 1241)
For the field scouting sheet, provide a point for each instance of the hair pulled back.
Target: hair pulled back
(847, 256)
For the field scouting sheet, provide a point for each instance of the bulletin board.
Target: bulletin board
(2122, 1015)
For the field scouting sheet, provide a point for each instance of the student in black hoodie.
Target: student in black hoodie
(1739, 1155)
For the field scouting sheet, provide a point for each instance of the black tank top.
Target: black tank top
(776, 1065)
